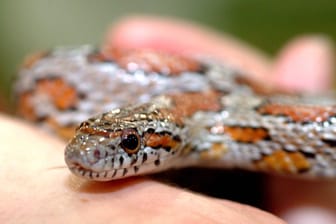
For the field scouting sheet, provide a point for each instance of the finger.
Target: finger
(303, 201)
(187, 38)
(32, 171)
(148, 200)
(305, 64)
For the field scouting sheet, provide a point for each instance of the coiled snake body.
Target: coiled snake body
(180, 112)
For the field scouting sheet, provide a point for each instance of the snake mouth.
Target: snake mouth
(118, 173)
(105, 175)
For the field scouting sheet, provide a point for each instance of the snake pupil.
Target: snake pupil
(130, 142)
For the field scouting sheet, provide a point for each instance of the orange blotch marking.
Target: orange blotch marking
(216, 152)
(154, 61)
(61, 93)
(186, 104)
(299, 113)
(25, 107)
(284, 162)
(246, 134)
(161, 140)
(256, 86)
(31, 60)
(64, 132)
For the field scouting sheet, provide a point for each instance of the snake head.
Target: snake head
(125, 142)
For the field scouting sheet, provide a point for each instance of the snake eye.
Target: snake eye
(130, 141)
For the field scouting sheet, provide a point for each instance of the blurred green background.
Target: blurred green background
(28, 26)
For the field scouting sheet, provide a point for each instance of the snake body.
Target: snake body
(166, 111)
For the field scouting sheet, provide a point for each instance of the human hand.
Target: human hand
(38, 187)
(305, 64)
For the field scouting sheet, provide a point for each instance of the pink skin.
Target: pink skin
(37, 187)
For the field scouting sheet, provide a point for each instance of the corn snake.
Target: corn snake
(181, 112)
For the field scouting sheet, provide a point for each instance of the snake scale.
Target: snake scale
(142, 111)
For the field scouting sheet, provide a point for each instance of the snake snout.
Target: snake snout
(72, 156)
